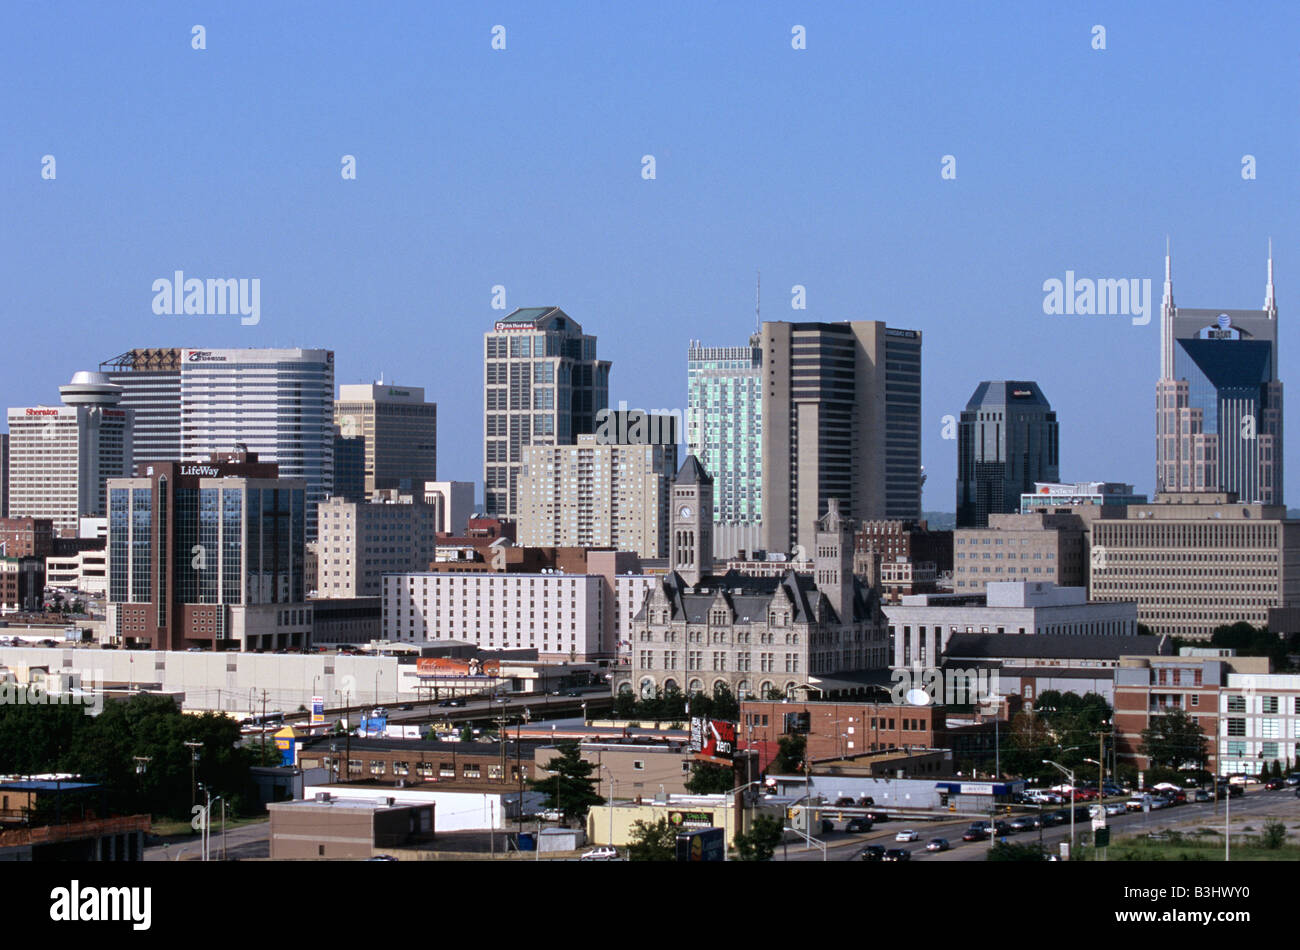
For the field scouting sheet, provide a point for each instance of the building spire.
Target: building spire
(1167, 311)
(1270, 302)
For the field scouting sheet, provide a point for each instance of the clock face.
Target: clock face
(684, 511)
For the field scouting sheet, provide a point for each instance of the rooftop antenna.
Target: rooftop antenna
(758, 301)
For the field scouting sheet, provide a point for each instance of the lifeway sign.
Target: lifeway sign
(203, 471)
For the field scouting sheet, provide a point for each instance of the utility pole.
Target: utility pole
(194, 748)
(263, 725)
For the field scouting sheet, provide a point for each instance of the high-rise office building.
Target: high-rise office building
(841, 420)
(278, 404)
(401, 433)
(61, 456)
(724, 431)
(349, 467)
(360, 542)
(593, 495)
(208, 554)
(4, 474)
(151, 388)
(1006, 441)
(542, 385)
(1219, 399)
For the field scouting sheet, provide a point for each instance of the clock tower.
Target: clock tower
(691, 522)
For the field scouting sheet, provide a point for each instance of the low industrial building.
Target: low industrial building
(325, 828)
(613, 822)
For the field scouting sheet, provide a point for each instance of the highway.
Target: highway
(842, 846)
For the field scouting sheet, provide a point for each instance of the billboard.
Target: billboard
(706, 844)
(713, 739)
(682, 818)
(452, 666)
(374, 726)
(317, 709)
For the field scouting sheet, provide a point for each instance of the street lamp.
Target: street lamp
(1070, 775)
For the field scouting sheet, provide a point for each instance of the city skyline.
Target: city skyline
(847, 151)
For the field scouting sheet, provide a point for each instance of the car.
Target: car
(1003, 828)
(573, 692)
(1055, 818)
(876, 817)
(866, 801)
(602, 853)
(978, 831)
(406, 707)
(1115, 808)
(1292, 780)
(897, 854)
(858, 826)
(381, 857)
(1158, 802)
(1136, 803)
(938, 844)
(844, 802)
(1023, 823)
(552, 814)
(456, 702)
(1235, 791)
(907, 834)
(1273, 784)
(873, 852)
(1202, 795)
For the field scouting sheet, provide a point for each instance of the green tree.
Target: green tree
(760, 843)
(708, 778)
(1248, 640)
(570, 780)
(653, 841)
(789, 755)
(625, 705)
(1174, 740)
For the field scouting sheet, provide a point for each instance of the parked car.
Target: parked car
(602, 853)
(844, 802)
(873, 852)
(898, 854)
(858, 826)
(866, 801)
(1115, 808)
(907, 835)
(938, 844)
(1135, 803)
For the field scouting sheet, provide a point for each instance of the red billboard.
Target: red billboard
(713, 739)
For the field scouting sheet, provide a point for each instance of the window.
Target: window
(1270, 705)
(1236, 727)
(639, 765)
(1237, 704)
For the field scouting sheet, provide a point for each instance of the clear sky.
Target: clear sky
(820, 167)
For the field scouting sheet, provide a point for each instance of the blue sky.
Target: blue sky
(522, 167)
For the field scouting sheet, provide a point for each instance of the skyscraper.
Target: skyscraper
(1007, 440)
(151, 388)
(1219, 399)
(190, 403)
(208, 555)
(724, 431)
(597, 495)
(60, 457)
(542, 385)
(842, 420)
(278, 404)
(400, 431)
